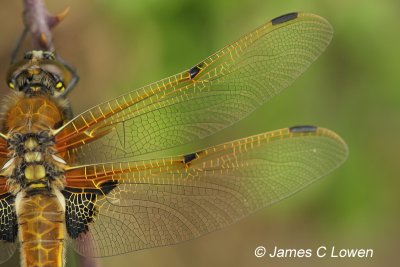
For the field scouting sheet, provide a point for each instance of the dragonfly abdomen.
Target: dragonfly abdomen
(41, 228)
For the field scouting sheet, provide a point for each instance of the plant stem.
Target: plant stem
(39, 22)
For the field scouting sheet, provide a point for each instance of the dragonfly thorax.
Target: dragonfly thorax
(34, 167)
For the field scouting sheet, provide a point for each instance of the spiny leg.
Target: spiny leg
(18, 45)
(75, 78)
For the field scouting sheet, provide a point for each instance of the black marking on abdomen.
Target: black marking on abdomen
(195, 70)
(303, 129)
(8, 218)
(284, 18)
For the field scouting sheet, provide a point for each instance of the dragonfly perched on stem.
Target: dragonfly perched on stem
(77, 181)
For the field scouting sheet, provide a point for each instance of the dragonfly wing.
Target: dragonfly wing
(7, 250)
(196, 103)
(8, 225)
(166, 201)
(8, 217)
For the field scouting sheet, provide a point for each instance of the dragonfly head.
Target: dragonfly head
(39, 72)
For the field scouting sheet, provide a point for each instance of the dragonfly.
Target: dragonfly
(89, 181)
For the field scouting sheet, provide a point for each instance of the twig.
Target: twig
(39, 22)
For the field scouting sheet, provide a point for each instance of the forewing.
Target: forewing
(162, 202)
(196, 103)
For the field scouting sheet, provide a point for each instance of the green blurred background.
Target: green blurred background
(353, 88)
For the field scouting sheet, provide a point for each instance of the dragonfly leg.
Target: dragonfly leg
(18, 45)
(75, 78)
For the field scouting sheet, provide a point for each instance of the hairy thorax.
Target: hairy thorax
(31, 114)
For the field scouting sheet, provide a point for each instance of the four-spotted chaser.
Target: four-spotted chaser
(77, 181)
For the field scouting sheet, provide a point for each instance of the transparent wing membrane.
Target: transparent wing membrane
(170, 200)
(7, 250)
(116, 203)
(196, 103)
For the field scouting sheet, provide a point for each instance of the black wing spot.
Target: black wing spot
(195, 70)
(81, 206)
(80, 211)
(284, 18)
(189, 157)
(104, 189)
(8, 218)
(303, 129)
(108, 186)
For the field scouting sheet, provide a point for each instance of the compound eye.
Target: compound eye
(11, 85)
(60, 86)
(28, 55)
